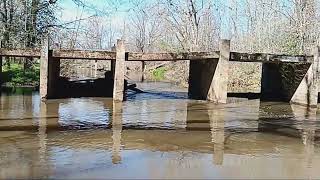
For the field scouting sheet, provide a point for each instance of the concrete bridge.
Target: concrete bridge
(287, 78)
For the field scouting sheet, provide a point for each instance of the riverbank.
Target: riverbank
(16, 75)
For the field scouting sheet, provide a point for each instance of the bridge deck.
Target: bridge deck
(134, 56)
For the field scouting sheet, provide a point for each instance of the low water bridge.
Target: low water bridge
(289, 78)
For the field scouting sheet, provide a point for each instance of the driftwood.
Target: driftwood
(133, 87)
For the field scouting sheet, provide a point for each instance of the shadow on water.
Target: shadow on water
(245, 95)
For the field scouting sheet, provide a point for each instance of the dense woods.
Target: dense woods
(273, 26)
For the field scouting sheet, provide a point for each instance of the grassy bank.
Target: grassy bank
(159, 73)
(15, 75)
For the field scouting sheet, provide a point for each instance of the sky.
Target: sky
(112, 12)
(115, 12)
(108, 8)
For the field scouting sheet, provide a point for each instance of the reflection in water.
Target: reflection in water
(42, 134)
(217, 130)
(155, 138)
(298, 121)
(116, 132)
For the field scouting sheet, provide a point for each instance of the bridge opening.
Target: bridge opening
(245, 80)
(82, 78)
(152, 82)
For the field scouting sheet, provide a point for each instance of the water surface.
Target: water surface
(157, 134)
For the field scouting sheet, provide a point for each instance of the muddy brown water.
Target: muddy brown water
(157, 134)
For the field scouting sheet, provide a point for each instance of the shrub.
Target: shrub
(15, 75)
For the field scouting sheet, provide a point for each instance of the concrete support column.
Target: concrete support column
(49, 72)
(118, 87)
(208, 79)
(143, 66)
(289, 82)
(44, 68)
(54, 74)
(307, 91)
(113, 63)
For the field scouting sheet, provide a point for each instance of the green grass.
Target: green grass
(16, 76)
(158, 74)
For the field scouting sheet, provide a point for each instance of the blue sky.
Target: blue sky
(107, 8)
(115, 11)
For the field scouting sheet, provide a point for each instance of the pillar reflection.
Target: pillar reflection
(116, 132)
(42, 132)
(307, 127)
(43, 165)
(210, 118)
(217, 123)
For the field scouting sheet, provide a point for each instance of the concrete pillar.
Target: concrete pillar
(49, 71)
(118, 87)
(113, 63)
(307, 91)
(208, 79)
(44, 70)
(54, 74)
(143, 66)
(289, 82)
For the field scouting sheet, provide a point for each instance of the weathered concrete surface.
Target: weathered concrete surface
(172, 56)
(28, 52)
(44, 63)
(113, 63)
(143, 67)
(208, 79)
(271, 84)
(307, 91)
(219, 86)
(84, 54)
(118, 88)
(280, 81)
(263, 57)
(49, 72)
(53, 77)
(200, 78)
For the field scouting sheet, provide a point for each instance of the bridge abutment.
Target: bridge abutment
(208, 79)
(292, 82)
(307, 91)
